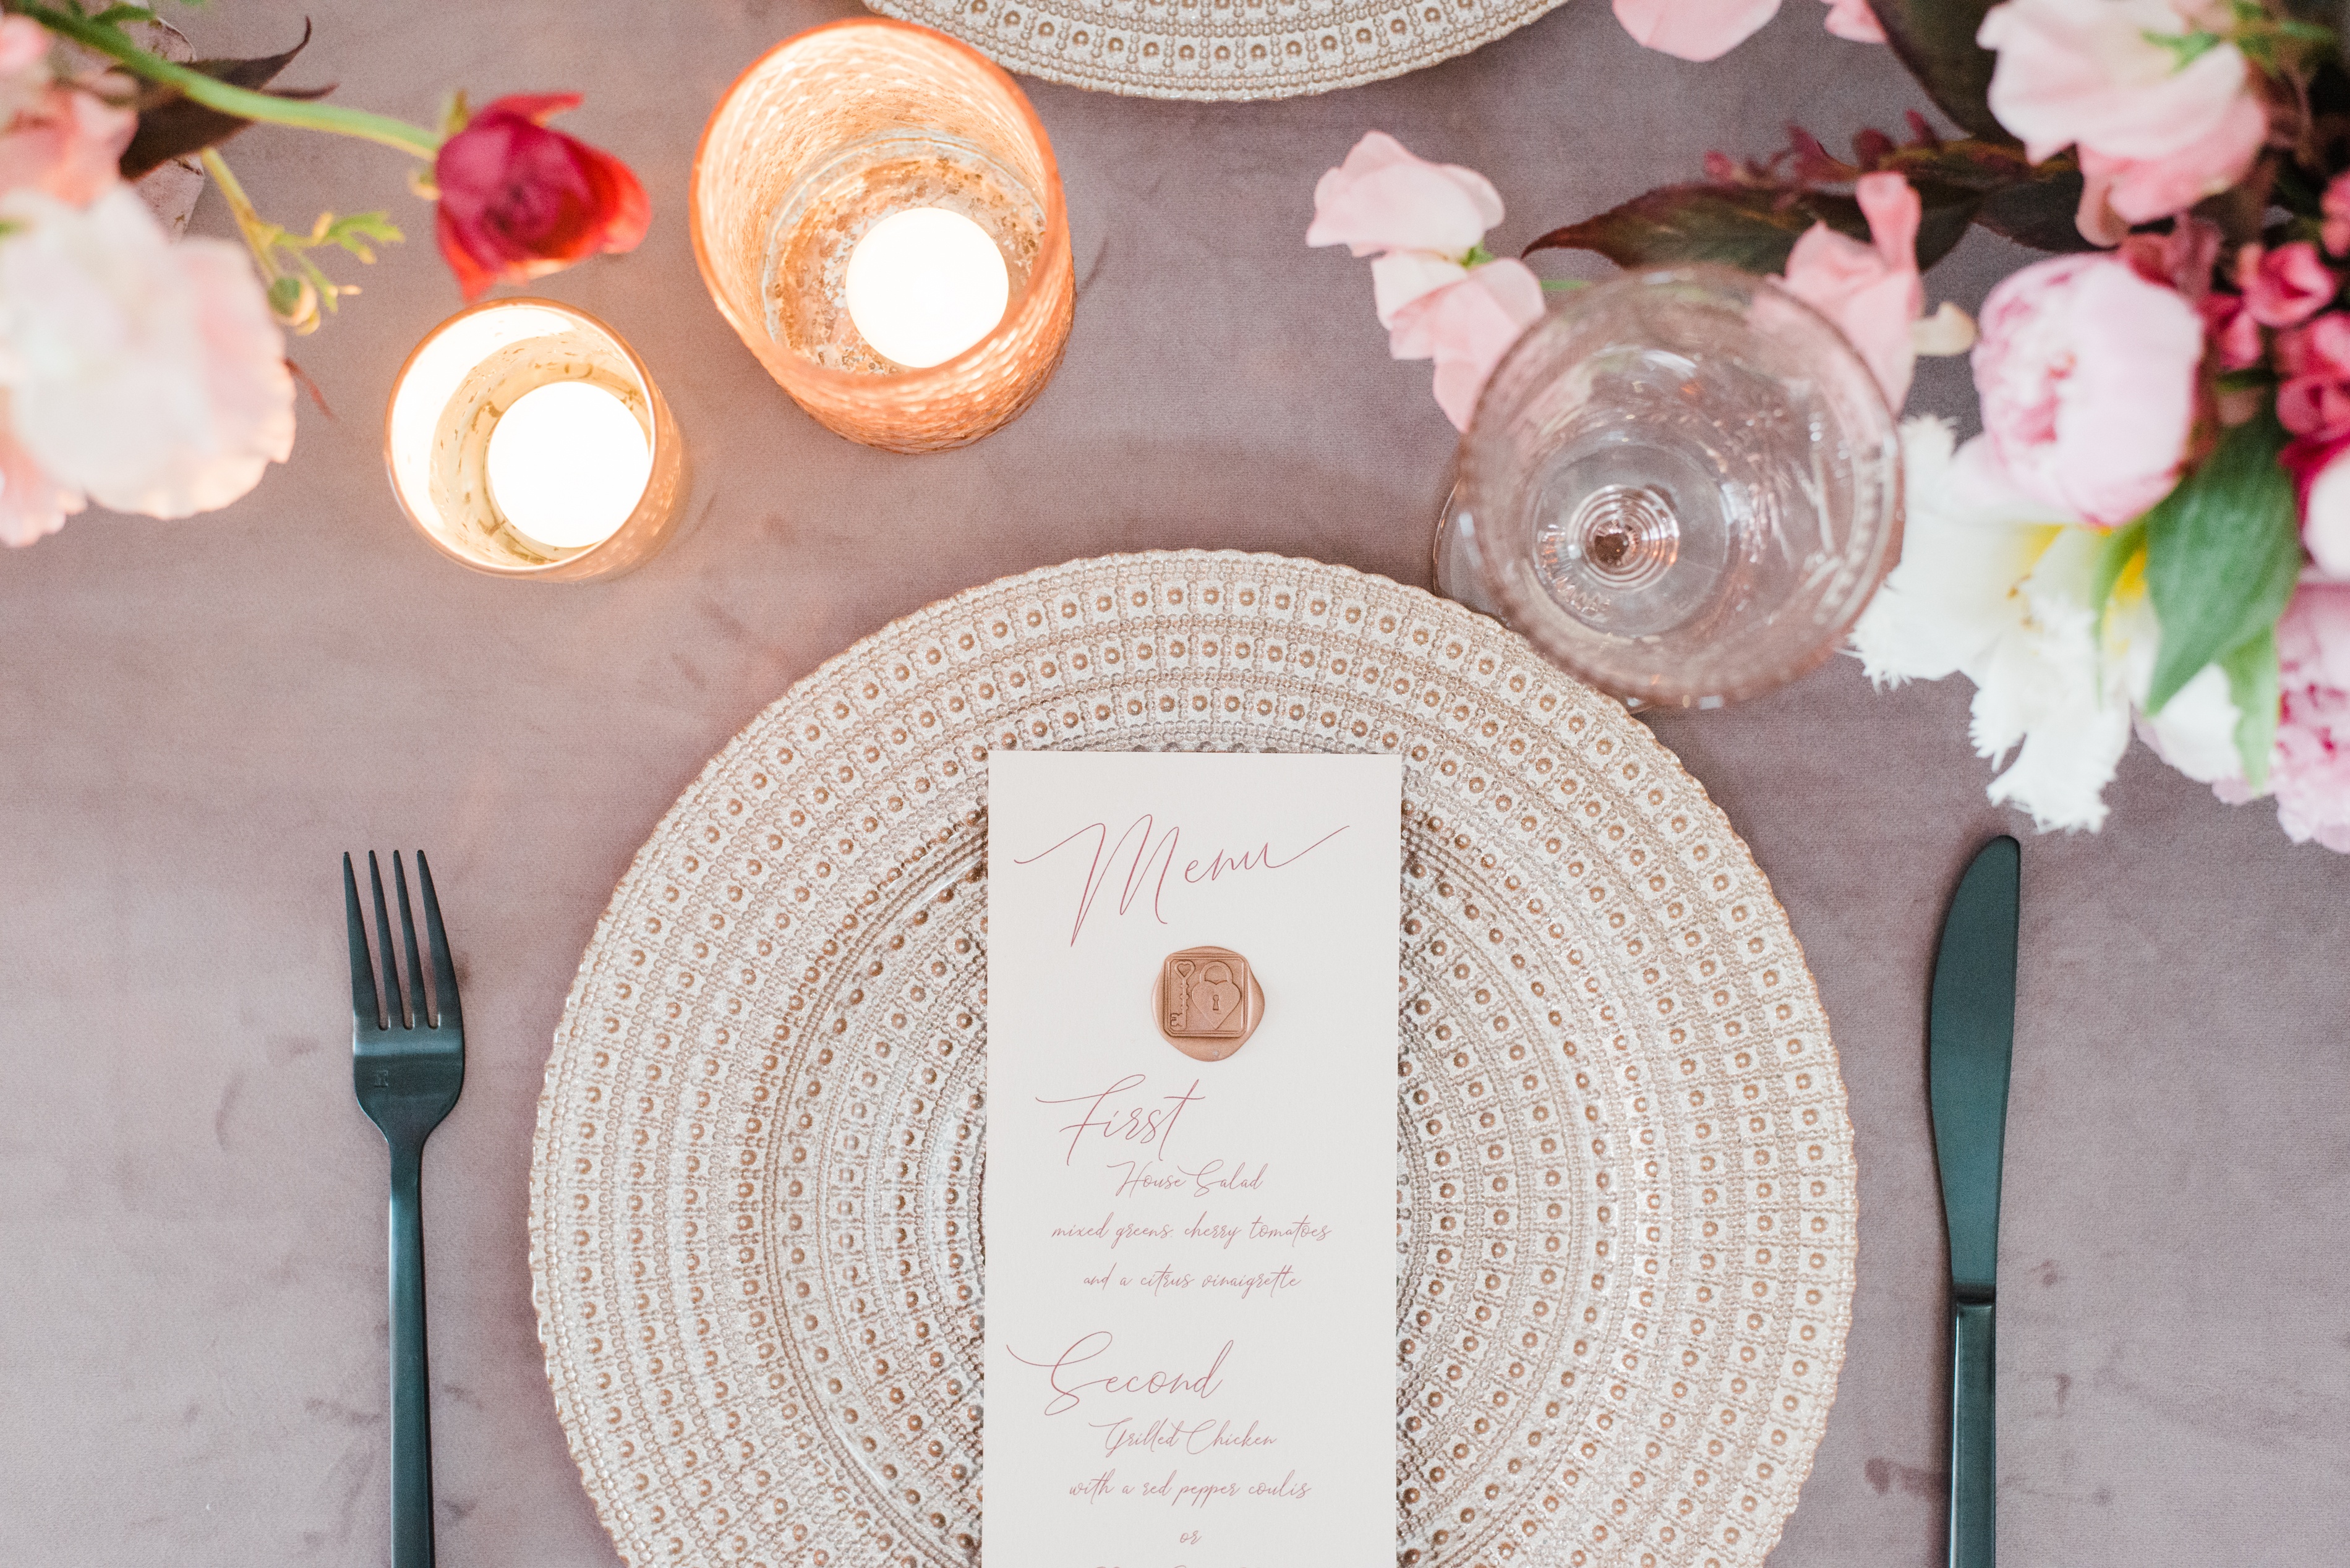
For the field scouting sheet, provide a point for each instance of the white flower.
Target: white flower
(149, 375)
(1996, 585)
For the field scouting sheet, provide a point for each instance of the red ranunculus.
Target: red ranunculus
(519, 200)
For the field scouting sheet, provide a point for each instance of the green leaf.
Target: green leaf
(2222, 553)
(2253, 687)
(2041, 212)
(1746, 227)
(1936, 39)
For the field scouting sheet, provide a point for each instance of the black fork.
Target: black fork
(408, 1066)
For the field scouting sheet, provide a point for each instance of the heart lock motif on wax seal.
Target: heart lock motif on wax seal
(1208, 1003)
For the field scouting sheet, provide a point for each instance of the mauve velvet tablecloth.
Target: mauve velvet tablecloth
(197, 717)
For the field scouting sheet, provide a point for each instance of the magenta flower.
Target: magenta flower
(2314, 400)
(2286, 286)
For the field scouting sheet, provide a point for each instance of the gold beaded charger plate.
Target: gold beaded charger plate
(1218, 51)
(1625, 1192)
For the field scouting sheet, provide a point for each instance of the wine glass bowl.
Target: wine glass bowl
(1682, 486)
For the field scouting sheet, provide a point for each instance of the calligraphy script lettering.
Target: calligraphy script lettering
(1068, 1386)
(1146, 853)
(1152, 1126)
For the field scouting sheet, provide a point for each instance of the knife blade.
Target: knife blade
(1970, 1042)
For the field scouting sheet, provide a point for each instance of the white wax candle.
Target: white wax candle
(924, 285)
(567, 463)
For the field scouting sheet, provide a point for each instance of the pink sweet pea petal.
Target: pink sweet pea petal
(1384, 199)
(1694, 29)
(1401, 276)
(1852, 20)
(1871, 292)
(1466, 328)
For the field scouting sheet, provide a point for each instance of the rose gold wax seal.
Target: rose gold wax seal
(1208, 1002)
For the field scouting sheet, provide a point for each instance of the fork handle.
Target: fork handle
(411, 1405)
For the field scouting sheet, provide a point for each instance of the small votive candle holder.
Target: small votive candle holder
(446, 403)
(830, 132)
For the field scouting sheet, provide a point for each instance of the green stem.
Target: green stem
(249, 221)
(213, 93)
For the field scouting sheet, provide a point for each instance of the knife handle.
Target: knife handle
(1973, 1436)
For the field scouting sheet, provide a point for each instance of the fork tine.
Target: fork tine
(444, 970)
(408, 940)
(364, 1011)
(393, 1018)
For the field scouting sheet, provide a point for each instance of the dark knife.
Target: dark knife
(1969, 1036)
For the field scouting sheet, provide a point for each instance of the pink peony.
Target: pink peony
(1871, 292)
(2086, 375)
(1423, 222)
(2314, 400)
(147, 374)
(24, 63)
(2154, 137)
(2322, 480)
(2335, 231)
(65, 143)
(2286, 286)
(1853, 21)
(1466, 328)
(2308, 771)
(32, 504)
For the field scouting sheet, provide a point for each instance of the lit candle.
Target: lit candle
(924, 285)
(567, 463)
(524, 439)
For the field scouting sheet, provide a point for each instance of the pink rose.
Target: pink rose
(2154, 137)
(1852, 20)
(2335, 203)
(1871, 292)
(2309, 770)
(2182, 257)
(1423, 220)
(2286, 286)
(2322, 480)
(2086, 375)
(149, 375)
(1466, 328)
(2314, 400)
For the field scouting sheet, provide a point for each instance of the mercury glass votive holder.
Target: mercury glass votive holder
(831, 131)
(450, 396)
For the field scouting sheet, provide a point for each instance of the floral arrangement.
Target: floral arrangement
(149, 375)
(2151, 535)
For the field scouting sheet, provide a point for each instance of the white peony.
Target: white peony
(1996, 585)
(148, 375)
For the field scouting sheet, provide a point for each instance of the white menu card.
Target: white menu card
(1190, 1193)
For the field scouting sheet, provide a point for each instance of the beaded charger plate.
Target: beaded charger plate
(1218, 51)
(1625, 1200)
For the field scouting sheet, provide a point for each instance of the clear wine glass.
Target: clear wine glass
(1682, 486)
